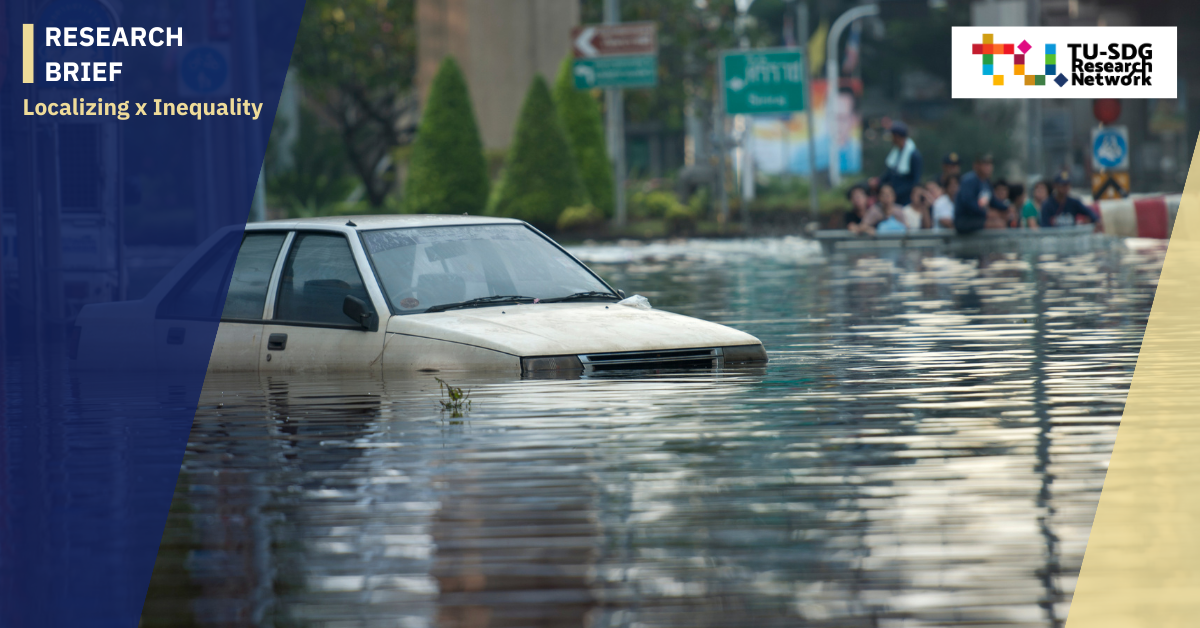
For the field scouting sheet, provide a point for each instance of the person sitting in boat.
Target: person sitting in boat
(893, 213)
(943, 203)
(916, 213)
(1016, 199)
(951, 166)
(1064, 210)
(1030, 212)
(998, 218)
(975, 197)
(903, 162)
(863, 215)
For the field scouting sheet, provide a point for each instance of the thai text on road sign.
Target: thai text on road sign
(615, 40)
(763, 81)
(615, 55)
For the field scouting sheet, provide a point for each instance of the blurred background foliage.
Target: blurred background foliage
(355, 64)
(357, 60)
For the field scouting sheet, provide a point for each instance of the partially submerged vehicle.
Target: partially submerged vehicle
(408, 293)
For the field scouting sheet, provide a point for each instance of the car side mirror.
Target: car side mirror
(622, 293)
(356, 309)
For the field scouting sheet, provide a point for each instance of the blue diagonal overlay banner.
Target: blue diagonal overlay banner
(131, 133)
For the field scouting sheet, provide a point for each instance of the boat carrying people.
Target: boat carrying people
(970, 211)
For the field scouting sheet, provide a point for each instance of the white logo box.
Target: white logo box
(1158, 42)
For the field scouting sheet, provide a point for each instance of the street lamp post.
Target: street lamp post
(832, 81)
(745, 123)
(802, 43)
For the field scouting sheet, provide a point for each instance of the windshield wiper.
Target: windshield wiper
(590, 294)
(481, 301)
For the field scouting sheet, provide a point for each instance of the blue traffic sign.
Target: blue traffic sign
(204, 70)
(1110, 148)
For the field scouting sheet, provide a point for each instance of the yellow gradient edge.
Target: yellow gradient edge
(1142, 563)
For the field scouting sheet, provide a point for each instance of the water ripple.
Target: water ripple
(926, 448)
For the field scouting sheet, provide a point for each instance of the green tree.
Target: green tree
(313, 175)
(580, 114)
(540, 179)
(357, 62)
(447, 172)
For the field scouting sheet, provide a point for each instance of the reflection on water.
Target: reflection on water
(926, 448)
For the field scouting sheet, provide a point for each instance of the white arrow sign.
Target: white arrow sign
(587, 74)
(583, 43)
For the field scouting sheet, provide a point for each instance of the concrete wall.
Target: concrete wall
(501, 45)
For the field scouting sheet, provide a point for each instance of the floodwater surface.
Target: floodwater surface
(925, 448)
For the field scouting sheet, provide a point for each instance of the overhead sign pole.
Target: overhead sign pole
(615, 109)
(614, 56)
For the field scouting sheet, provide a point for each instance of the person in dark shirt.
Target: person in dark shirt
(903, 165)
(863, 215)
(975, 197)
(951, 166)
(1064, 210)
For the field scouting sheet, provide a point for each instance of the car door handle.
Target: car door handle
(277, 342)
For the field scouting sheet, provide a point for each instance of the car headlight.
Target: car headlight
(551, 363)
(744, 354)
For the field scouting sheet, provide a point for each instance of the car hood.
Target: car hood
(568, 329)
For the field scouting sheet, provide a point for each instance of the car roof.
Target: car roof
(383, 221)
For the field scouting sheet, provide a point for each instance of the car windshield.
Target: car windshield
(426, 267)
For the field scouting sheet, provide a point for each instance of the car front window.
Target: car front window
(425, 267)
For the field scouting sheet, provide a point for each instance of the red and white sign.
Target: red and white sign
(615, 40)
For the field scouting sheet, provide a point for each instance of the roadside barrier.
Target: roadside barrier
(1139, 216)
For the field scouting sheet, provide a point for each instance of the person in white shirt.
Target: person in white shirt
(916, 213)
(893, 221)
(943, 204)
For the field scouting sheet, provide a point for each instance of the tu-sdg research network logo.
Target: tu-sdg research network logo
(1064, 62)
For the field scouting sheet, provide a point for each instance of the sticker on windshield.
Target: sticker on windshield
(409, 303)
(388, 239)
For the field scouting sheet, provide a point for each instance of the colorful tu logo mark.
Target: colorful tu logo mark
(989, 50)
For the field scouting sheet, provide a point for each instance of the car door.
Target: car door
(184, 319)
(239, 337)
(308, 329)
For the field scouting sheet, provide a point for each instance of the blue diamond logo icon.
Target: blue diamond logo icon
(1061, 80)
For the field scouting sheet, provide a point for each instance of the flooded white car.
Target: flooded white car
(413, 293)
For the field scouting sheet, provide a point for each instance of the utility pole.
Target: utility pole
(1033, 120)
(720, 145)
(745, 124)
(802, 42)
(614, 104)
(832, 81)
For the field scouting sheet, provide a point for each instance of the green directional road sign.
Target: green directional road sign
(631, 71)
(763, 81)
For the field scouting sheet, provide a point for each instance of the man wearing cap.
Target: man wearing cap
(1062, 209)
(975, 197)
(903, 165)
(951, 166)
